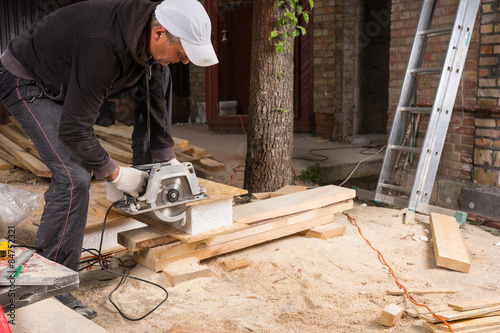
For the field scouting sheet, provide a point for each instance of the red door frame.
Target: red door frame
(303, 91)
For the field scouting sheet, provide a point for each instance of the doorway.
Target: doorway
(228, 83)
(375, 40)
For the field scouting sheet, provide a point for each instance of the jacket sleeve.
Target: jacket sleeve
(160, 90)
(87, 87)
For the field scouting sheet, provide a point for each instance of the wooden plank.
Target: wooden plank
(416, 312)
(475, 304)
(185, 270)
(188, 150)
(31, 162)
(181, 143)
(117, 131)
(288, 189)
(468, 325)
(116, 152)
(232, 265)
(19, 138)
(125, 146)
(157, 258)
(261, 195)
(178, 328)
(198, 152)
(100, 212)
(327, 231)
(449, 247)
(11, 159)
(291, 203)
(212, 165)
(216, 191)
(397, 292)
(181, 157)
(143, 238)
(262, 227)
(4, 165)
(453, 315)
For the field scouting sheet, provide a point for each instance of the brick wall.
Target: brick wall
(334, 66)
(487, 132)
(457, 158)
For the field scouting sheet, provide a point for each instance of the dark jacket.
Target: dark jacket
(79, 53)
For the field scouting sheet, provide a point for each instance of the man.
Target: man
(54, 78)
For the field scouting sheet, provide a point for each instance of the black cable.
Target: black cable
(123, 275)
(324, 158)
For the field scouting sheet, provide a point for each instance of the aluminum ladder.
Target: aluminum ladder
(418, 196)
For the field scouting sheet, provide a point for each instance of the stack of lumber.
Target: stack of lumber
(482, 315)
(157, 245)
(16, 149)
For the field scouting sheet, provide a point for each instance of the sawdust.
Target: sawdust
(299, 284)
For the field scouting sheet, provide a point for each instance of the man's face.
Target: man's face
(165, 53)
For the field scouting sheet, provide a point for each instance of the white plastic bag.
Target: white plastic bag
(15, 205)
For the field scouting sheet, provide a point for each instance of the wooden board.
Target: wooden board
(216, 191)
(288, 189)
(486, 324)
(117, 131)
(116, 152)
(4, 165)
(291, 203)
(31, 162)
(453, 315)
(327, 231)
(449, 247)
(232, 265)
(143, 238)
(157, 258)
(11, 159)
(211, 165)
(475, 304)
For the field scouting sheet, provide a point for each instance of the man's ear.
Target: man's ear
(158, 32)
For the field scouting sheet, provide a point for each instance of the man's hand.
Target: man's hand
(130, 180)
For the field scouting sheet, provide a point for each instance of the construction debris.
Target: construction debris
(390, 314)
(18, 150)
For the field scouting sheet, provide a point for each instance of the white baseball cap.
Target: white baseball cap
(188, 20)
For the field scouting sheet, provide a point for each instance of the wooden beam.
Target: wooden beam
(398, 292)
(291, 203)
(232, 265)
(4, 165)
(475, 304)
(116, 152)
(11, 159)
(288, 189)
(486, 324)
(212, 165)
(143, 238)
(327, 231)
(31, 162)
(449, 247)
(454, 315)
(156, 258)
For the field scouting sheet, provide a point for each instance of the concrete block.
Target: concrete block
(478, 199)
(185, 270)
(92, 236)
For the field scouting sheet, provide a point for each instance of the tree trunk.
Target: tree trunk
(270, 125)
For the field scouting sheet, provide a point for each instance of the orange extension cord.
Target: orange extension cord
(392, 272)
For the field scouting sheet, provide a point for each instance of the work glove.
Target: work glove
(130, 180)
(174, 161)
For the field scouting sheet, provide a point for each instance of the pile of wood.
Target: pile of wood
(16, 149)
(157, 245)
(482, 315)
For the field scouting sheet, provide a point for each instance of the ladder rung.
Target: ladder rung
(436, 32)
(415, 109)
(395, 187)
(431, 70)
(406, 148)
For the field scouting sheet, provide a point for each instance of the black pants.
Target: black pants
(60, 235)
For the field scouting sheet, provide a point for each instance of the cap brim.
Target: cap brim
(200, 55)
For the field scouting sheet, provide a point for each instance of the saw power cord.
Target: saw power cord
(359, 163)
(393, 274)
(103, 263)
